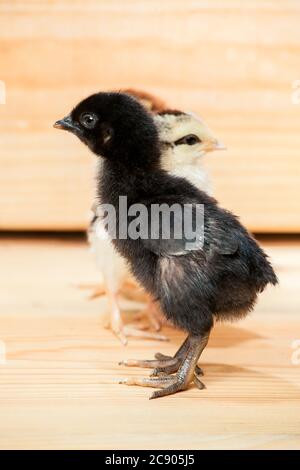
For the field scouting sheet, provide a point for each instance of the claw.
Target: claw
(198, 383)
(124, 381)
(184, 363)
(198, 371)
(121, 336)
(175, 387)
(162, 357)
(147, 363)
(155, 382)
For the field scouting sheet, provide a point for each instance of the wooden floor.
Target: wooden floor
(59, 386)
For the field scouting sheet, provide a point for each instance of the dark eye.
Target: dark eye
(190, 139)
(88, 120)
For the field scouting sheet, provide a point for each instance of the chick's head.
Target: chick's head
(185, 138)
(150, 101)
(115, 126)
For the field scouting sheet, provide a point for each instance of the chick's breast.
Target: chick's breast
(112, 266)
(196, 174)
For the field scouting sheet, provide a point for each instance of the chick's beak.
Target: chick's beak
(219, 146)
(212, 145)
(67, 124)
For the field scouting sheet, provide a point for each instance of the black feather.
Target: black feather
(220, 280)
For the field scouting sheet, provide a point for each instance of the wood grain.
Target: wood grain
(59, 390)
(233, 62)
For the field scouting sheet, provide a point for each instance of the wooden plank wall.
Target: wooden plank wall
(234, 62)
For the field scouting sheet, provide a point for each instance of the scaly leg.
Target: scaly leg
(185, 374)
(164, 364)
(181, 353)
(151, 314)
(132, 291)
(129, 290)
(128, 302)
(187, 355)
(98, 290)
(161, 361)
(123, 331)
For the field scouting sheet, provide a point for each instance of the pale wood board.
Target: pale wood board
(59, 390)
(234, 62)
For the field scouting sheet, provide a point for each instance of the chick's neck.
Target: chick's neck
(134, 162)
(115, 180)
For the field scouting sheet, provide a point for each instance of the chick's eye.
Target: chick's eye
(88, 120)
(190, 139)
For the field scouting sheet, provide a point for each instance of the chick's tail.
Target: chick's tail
(267, 276)
(261, 268)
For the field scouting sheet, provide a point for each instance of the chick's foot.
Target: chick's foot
(162, 362)
(180, 356)
(151, 315)
(97, 290)
(124, 331)
(184, 363)
(198, 371)
(139, 333)
(155, 382)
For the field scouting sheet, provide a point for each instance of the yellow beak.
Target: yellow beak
(218, 146)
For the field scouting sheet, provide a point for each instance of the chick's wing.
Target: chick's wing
(176, 228)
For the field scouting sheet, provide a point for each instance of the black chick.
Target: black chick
(219, 280)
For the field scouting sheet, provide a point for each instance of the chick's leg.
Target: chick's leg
(97, 290)
(116, 322)
(123, 331)
(151, 314)
(148, 312)
(161, 361)
(164, 364)
(187, 357)
(186, 372)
